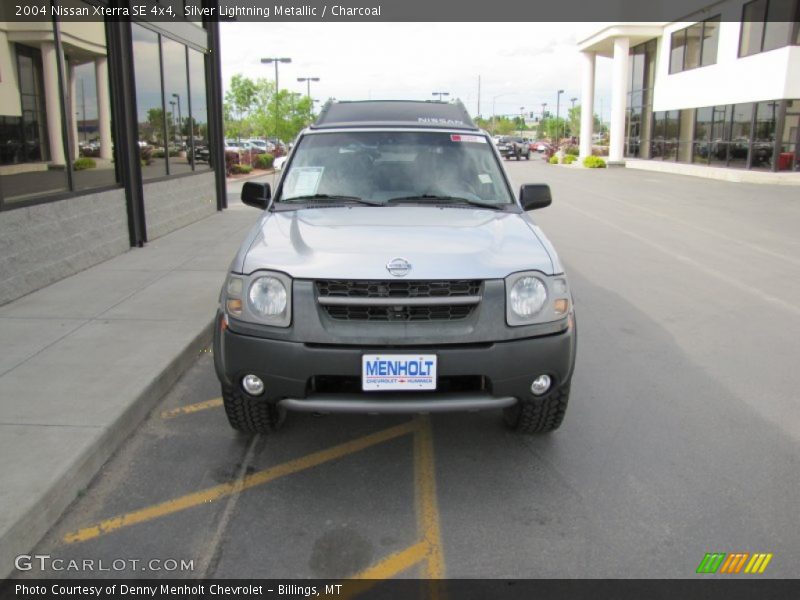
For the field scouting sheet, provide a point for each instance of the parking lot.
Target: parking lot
(681, 437)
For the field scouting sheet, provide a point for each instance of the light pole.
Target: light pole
(180, 119)
(308, 81)
(573, 100)
(172, 117)
(276, 60)
(493, 101)
(440, 94)
(544, 113)
(558, 127)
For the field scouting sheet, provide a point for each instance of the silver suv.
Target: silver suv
(394, 271)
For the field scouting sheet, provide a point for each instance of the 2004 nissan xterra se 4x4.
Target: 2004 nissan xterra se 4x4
(393, 271)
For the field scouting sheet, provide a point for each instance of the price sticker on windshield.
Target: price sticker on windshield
(468, 138)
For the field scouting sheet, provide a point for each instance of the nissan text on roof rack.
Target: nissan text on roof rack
(394, 271)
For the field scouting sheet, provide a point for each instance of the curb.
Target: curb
(34, 525)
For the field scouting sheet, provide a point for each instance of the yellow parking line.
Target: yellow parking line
(388, 567)
(191, 408)
(427, 505)
(220, 491)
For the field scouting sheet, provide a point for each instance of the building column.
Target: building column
(587, 104)
(103, 107)
(52, 95)
(619, 96)
(72, 106)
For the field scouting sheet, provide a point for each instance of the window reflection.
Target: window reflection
(199, 110)
(176, 93)
(149, 107)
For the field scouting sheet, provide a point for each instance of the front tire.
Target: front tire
(250, 415)
(540, 415)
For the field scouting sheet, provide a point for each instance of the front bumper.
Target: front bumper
(326, 377)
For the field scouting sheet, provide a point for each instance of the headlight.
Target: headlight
(528, 296)
(267, 297)
(533, 298)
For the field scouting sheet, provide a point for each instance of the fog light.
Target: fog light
(540, 385)
(254, 386)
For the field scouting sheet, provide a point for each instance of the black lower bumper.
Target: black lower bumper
(295, 370)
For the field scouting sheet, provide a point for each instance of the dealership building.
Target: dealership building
(716, 93)
(102, 127)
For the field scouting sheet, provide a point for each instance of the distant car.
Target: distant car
(515, 147)
(202, 153)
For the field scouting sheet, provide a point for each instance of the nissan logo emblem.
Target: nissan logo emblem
(399, 267)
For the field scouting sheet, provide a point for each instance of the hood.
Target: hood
(357, 243)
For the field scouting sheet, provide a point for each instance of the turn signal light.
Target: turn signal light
(234, 307)
(561, 306)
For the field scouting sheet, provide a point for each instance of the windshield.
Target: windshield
(395, 167)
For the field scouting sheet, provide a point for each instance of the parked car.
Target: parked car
(514, 147)
(394, 271)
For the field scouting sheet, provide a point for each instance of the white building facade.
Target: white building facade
(719, 88)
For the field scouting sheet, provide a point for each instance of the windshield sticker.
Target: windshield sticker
(303, 181)
(468, 138)
(485, 178)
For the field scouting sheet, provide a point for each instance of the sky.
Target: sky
(520, 64)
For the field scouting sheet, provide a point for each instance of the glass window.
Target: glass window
(637, 68)
(752, 27)
(149, 107)
(89, 106)
(702, 135)
(176, 93)
(710, 41)
(779, 24)
(29, 165)
(694, 35)
(199, 110)
(741, 128)
(677, 46)
(384, 166)
(764, 134)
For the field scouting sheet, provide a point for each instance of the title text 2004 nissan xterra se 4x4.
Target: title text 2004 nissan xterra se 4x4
(393, 271)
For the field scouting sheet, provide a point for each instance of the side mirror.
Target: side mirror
(256, 195)
(534, 195)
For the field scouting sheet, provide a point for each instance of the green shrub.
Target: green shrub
(572, 150)
(594, 162)
(241, 169)
(263, 161)
(553, 160)
(568, 159)
(84, 163)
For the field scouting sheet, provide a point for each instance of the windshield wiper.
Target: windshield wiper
(434, 199)
(311, 197)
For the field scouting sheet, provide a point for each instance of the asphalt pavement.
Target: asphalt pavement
(681, 437)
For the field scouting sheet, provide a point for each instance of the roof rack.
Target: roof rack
(432, 114)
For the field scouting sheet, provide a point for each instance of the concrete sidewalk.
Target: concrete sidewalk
(86, 358)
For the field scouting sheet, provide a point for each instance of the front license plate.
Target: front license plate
(398, 372)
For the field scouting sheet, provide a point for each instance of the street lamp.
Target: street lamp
(558, 106)
(493, 100)
(541, 123)
(172, 117)
(440, 94)
(276, 60)
(308, 81)
(180, 120)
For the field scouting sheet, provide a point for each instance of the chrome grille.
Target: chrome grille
(391, 300)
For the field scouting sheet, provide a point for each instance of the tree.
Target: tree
(249, 110)
(574, 121)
